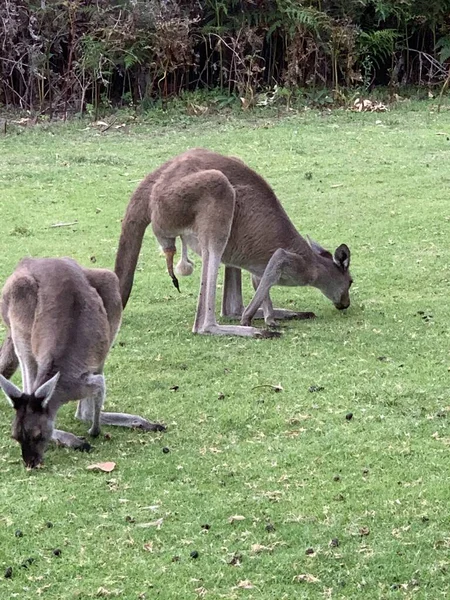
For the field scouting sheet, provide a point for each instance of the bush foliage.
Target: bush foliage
(73, 55)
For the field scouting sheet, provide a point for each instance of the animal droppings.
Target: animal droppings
(309, 551)
(8, 573)
(166, 450)
(206, 526)
(49, 524)
(316, 388)
(269, 527)
(349, 416)
(194, 554)
(57, 552)
(336, 478)
(334, 543)
(18, 533)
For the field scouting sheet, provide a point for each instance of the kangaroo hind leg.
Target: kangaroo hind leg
(89, 410)
(215, 212)
(19, 301)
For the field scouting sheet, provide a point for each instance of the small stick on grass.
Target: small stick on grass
(275, 388)
(64, 224)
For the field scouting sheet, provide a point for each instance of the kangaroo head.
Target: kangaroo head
(336, 282)
(33, 422)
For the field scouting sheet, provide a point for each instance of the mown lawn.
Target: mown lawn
(296, 471)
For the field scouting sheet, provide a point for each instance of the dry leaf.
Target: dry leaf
(297, 419)
(364, 531)
(361, 105)
(257, 548)
(295, 432)
(106, 467)
(102, 592)
(245, 103)
(306, 578)
(245, 584)
(148, 546)
(235, 518)
(201, 591)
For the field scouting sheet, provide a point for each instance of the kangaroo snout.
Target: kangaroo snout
(32, 462)
(342, 305)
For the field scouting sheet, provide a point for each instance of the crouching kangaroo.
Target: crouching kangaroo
(227, 213)
(61, 321)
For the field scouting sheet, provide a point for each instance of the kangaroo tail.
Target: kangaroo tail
(137, 218)
(169, 252)
(8, 358)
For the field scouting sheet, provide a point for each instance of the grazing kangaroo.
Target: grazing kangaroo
(227, 213)
(61, 320)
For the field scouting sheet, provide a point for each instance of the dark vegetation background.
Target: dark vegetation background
(71, 56)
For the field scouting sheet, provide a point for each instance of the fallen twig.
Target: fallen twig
(64, 224)
(275, 388)
(108, 126)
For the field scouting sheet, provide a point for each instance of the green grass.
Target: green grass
(379, 483)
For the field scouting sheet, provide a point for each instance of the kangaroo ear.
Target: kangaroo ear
(341, 257)
(11, 391)
(317, 248)
(46, 390)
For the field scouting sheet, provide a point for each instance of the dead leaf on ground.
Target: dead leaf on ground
(245, 584)
(366, 105)
(201, 591)
(306, 578)
(106, 467)
(234, 518)
(364, 531)
(148, 546)
(257, 548)
(297, 419)
(295, 432)
(365, 549)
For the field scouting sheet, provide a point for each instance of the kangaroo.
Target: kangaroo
(225, 212)
(61, 321)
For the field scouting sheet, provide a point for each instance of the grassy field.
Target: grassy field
(328, 507)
